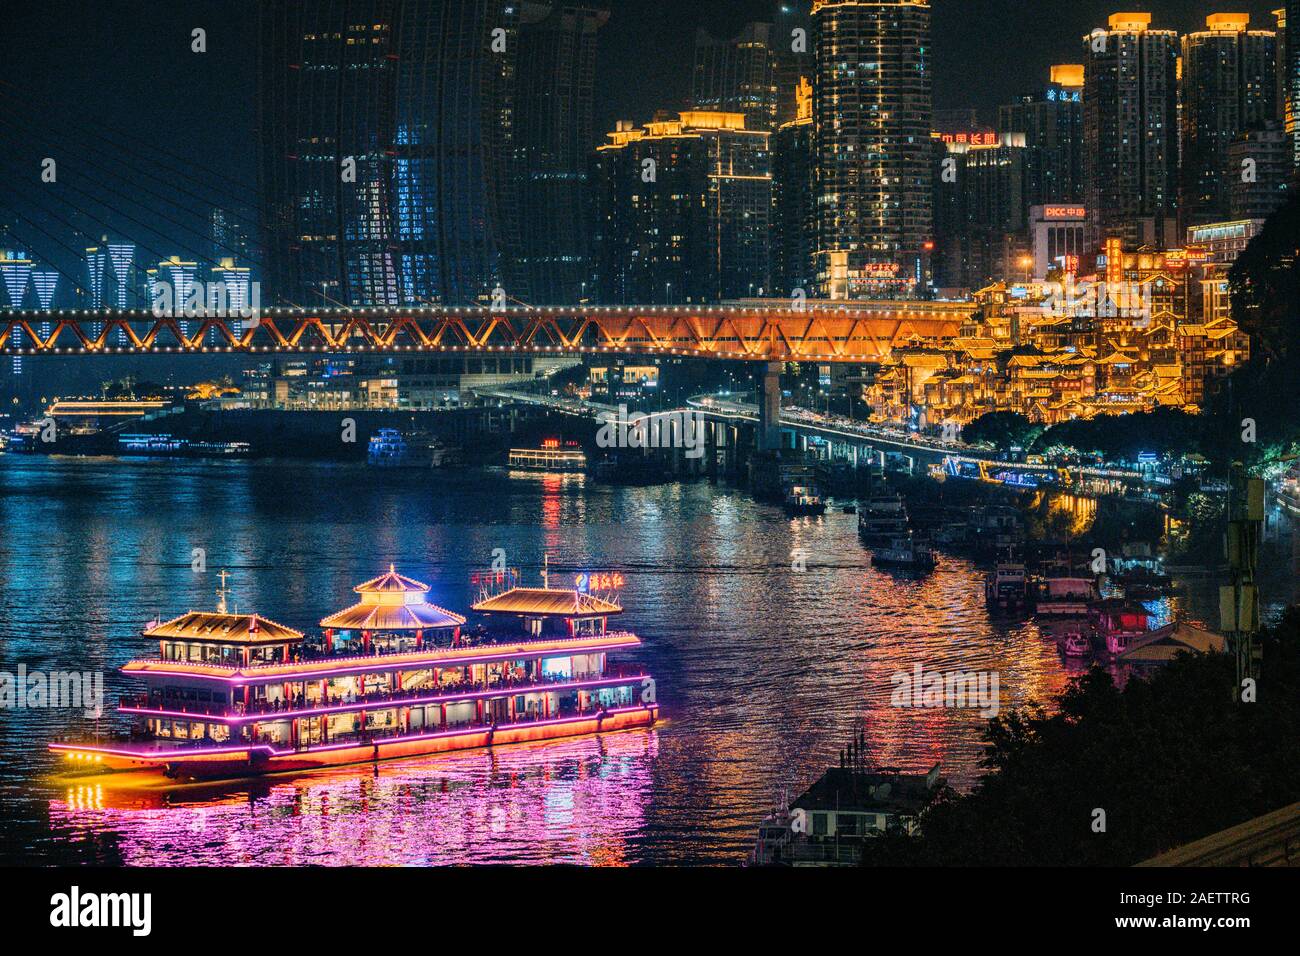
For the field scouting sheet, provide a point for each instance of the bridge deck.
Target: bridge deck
(824, 334)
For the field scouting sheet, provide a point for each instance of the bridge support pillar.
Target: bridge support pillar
(769, 408)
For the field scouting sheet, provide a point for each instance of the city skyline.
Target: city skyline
(644, 62)
(412, 156)
(648, 433)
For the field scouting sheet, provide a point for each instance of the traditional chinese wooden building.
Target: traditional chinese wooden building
(394, 614)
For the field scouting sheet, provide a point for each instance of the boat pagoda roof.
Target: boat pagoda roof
(392, 602)
(391, 582)
(392, 617)
(219, 628)
(547, 601)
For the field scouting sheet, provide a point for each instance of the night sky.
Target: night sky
(77, 66)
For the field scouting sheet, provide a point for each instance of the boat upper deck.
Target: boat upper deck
(331, 665)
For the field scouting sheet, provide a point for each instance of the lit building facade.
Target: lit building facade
(1130, 118)
(554, 132)
(794, 207)
(737, 75)
(1260, 165)
(121, 255)
(1058, 238)
(1229, 87)
(16, 271)
(981, 202)
(872, 112)
(1283, 61)
(1052, 124)
(96, 264)
(405, 145)
(683, 210)
(45, 282)
(327, 121)
(1290, 22)
(1223, 242)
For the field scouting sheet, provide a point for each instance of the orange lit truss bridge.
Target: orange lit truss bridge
(865, 332)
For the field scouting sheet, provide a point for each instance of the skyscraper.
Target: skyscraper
(235, 284)
(1283, 60)
(554, 133)
(96, 262)
(1268, 152)
(1052, 124)
(872, 104)
(1292, 20)
(228, 236)
(424, 151)
(983, 209)
(1229, 87)
(388, 136)
(180, 277)
(327, 123)
(122, 256)
(683, 210)
(1130, 108)
(45, 282)
(737, 75)
(794, 207)
(15, 269)
(792, 58)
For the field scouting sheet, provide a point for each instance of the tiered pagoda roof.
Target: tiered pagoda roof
(547, 601)
(218, 628)
(392, 602)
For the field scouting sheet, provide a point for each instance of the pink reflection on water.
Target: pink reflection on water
(573, 802)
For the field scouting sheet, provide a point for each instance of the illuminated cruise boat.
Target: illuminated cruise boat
(552, 456)
(234, 694)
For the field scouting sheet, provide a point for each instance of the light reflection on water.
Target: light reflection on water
(572, 802)
(762, 672)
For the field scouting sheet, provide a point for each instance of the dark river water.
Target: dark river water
(763, 671)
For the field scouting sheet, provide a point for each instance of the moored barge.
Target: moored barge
(234, 695)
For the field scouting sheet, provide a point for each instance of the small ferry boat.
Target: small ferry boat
(1063, 596)
(167, 446)
(803, 500)
(995, 529)
(233, 695)
(882, 519)
(1119, 622)
(552, 456)
(1006, 588)
(1077, 644)
(1143, 584)
(904, 554)
(391, 448)
(834, 821)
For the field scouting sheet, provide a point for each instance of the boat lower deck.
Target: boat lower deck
(208, 762)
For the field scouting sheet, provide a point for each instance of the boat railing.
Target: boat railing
(525, 646)
(298, 704)
(379, 735)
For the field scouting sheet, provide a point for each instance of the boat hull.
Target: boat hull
(240, 762)
(918, 563)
